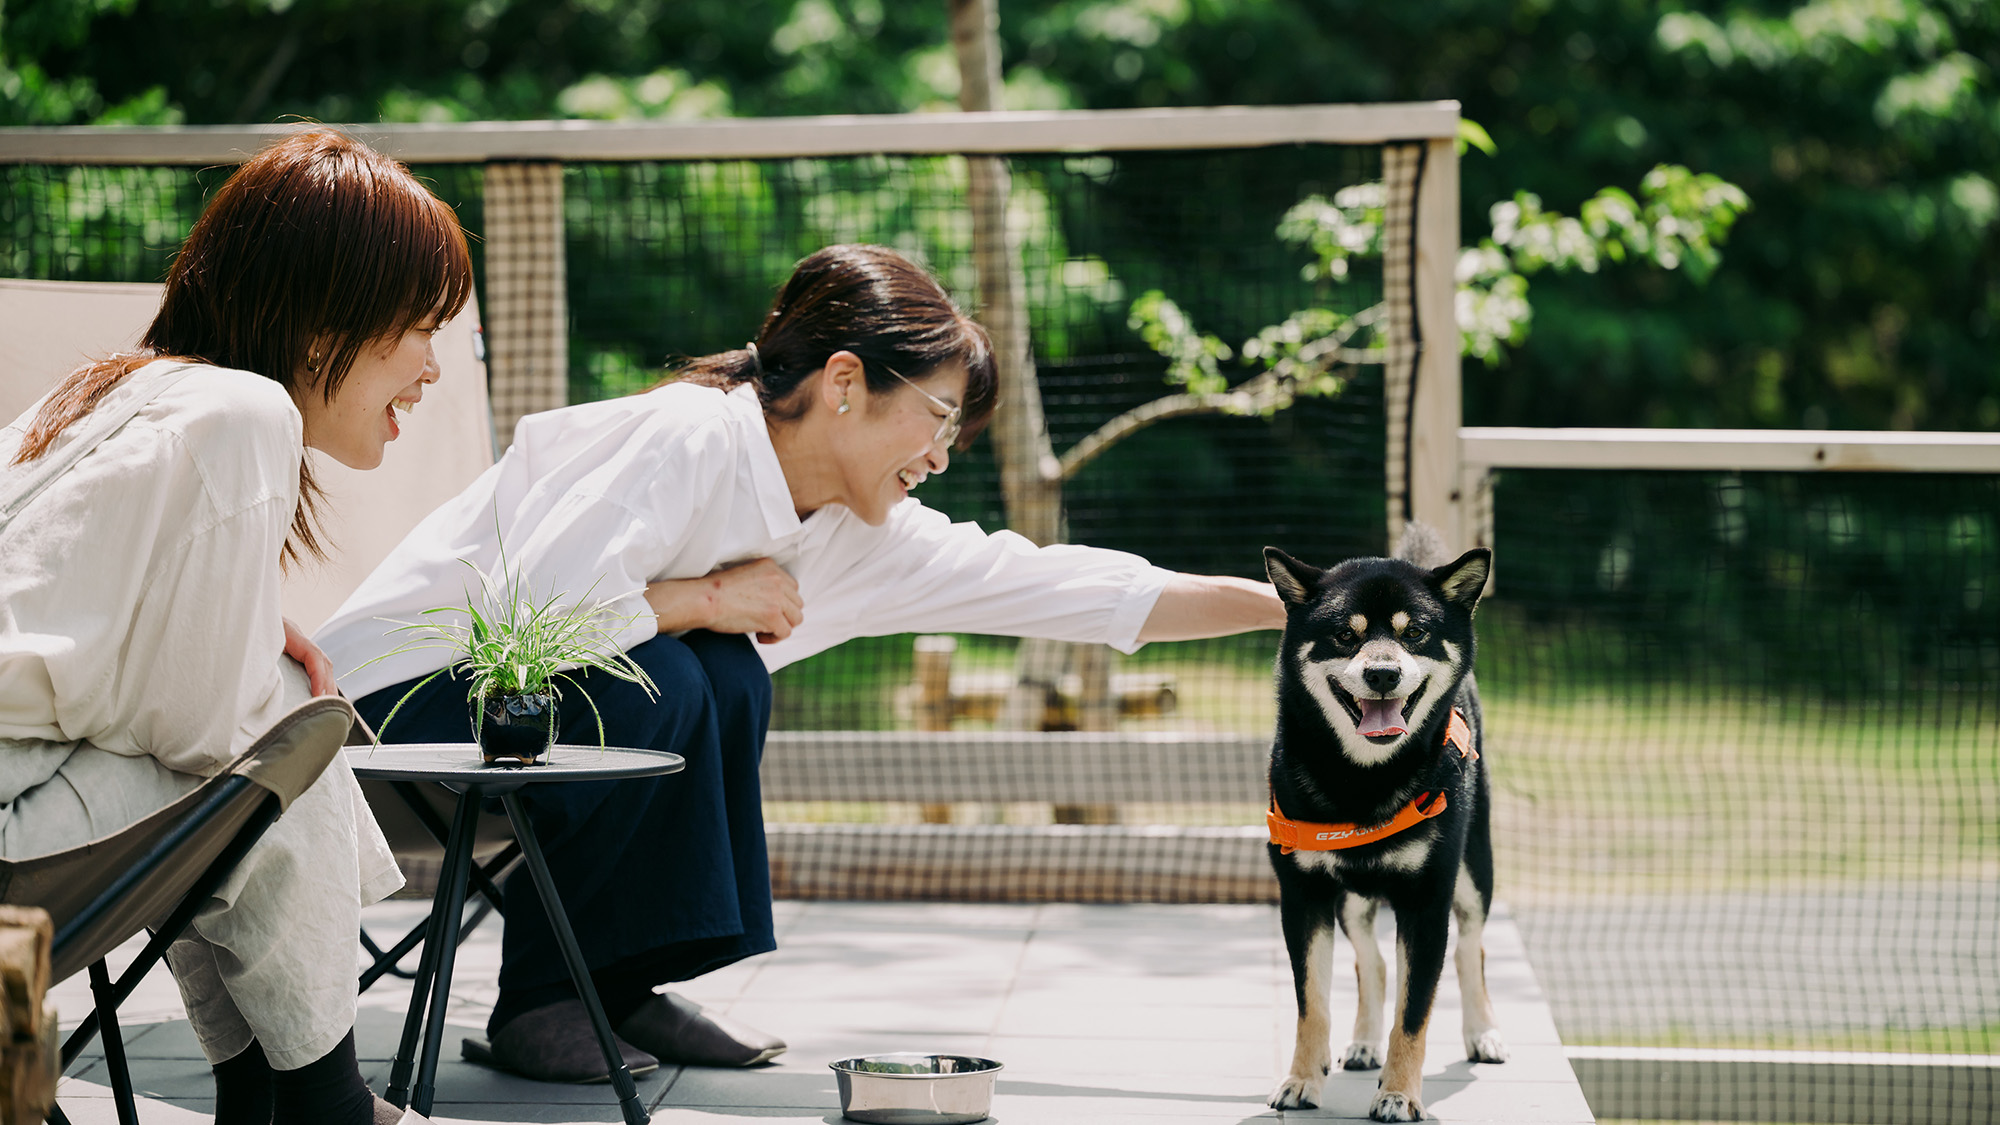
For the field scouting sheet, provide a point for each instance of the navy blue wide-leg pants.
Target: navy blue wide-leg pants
(665, 878)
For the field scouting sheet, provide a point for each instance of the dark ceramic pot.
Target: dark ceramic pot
(515, 730)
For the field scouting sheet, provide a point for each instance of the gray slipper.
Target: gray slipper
(679, 1030)
(553, 1044)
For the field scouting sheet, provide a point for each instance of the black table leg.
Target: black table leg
(435, 940)
(621, 1078)
(114, 1045)
(457, 863)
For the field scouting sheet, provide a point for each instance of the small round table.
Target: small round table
(458, 767)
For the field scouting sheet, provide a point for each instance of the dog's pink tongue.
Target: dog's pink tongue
(1381, 717)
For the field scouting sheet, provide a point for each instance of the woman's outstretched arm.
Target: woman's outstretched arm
(1210, 605)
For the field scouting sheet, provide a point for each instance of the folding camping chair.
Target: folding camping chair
(47, 328)
(161, 871)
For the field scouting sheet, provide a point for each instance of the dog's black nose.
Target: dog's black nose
(1382, 677)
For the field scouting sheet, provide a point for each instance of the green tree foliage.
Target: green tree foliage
(1862, 292)
(1683, 219)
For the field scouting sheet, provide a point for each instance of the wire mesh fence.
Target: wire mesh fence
(672, 259)
(1746, 744)
(1743, 727)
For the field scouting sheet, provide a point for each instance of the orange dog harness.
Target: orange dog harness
(1305, 836)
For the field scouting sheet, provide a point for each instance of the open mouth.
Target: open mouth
(402, 405)
(910, 480)
(1379, 720)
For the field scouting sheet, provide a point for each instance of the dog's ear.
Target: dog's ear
(1295, 580)
(1463, 580)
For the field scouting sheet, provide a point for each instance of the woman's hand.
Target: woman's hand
(753, 597)
(319, 670)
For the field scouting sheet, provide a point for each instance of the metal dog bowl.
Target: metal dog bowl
(916, 1089)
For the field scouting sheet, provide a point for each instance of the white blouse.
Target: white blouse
(605, 497)
(139, 595)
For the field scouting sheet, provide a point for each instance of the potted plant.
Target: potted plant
(516, 653)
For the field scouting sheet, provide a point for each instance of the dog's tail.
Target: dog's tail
(1422, 545)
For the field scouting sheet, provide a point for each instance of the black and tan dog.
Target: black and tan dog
(1379, 795)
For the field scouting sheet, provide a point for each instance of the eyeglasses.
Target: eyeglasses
(948, 427)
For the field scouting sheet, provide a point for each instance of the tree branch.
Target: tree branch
(1269, 391)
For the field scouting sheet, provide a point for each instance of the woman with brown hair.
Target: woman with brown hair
(763, 493)
(146, 507)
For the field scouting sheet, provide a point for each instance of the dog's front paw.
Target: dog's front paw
(1487, 1047)
(1296, 1093)
(1361, 1056)
(1393, 1106)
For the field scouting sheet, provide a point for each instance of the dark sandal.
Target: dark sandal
(679, 1030)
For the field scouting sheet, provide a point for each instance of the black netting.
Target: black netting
(98, 223)
(1743, 727)
(675, 259)
(1745, 732)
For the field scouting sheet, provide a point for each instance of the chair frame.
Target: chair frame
(108, 993)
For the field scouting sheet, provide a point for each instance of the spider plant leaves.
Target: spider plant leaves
(507, 641)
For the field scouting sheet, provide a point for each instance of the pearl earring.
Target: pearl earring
(843, 407)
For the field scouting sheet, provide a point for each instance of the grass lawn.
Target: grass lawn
(1673, 790)
(1694, 797)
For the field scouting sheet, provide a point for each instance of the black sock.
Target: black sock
(325, 1091)
(243, 1088)
(621, 993)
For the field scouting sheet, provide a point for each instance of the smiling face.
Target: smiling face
(1376, 658)
(895, 442)
(387, 376)
(1379, 645)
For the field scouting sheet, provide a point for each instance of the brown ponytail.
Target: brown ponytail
(868, 300)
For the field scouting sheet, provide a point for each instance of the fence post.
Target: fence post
(1402, 168)
(1436, 495)
(932, 668)
(526, 298)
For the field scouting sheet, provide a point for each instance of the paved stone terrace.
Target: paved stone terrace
(1102, 1014)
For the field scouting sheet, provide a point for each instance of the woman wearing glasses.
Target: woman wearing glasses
(763, 492)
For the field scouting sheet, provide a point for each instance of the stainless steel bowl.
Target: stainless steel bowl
(916, 1089)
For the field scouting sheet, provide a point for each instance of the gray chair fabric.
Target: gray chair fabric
(282, 763)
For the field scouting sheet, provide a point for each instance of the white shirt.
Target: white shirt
(139, 595)
(607, 496)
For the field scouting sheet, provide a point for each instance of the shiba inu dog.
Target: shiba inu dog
(1379, 795)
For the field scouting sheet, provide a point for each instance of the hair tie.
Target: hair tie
(756, 361)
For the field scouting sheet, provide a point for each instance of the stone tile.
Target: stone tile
(809, 1087)
(486, 1113)
(1195, 1086)
(1039, 1056)
(1137, 989)
(1104, 1015)
(901, 1017)
(1067, 1019)
(1475, 1100)
(1095, 1099)
(783, 981)
(459, 1081)
(86, 1103)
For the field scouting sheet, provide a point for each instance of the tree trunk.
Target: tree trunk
(1030, 476)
